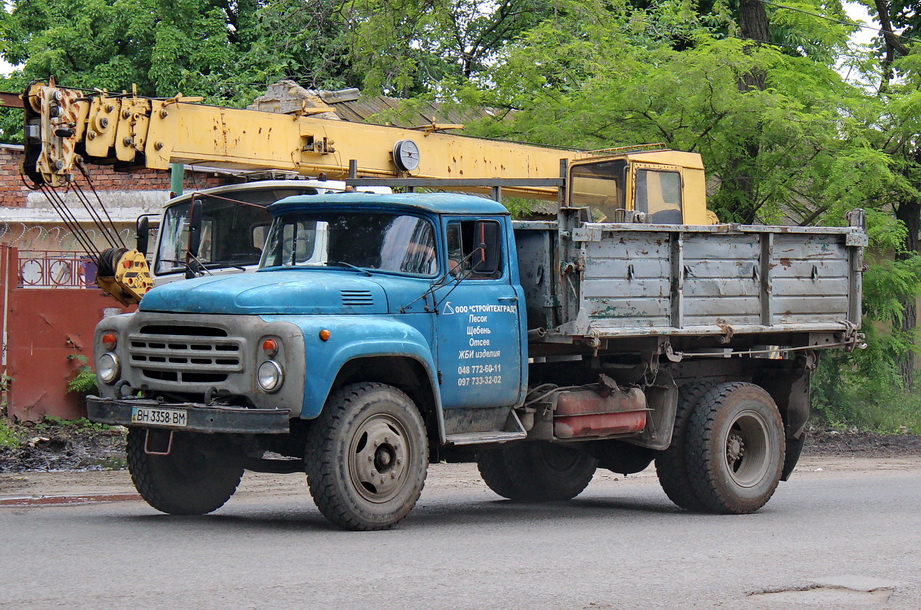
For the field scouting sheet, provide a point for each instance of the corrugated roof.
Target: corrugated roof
(394, 111)
(349, 105)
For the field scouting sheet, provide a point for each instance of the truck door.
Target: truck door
(478, 324)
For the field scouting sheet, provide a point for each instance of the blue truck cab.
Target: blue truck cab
(382, 331)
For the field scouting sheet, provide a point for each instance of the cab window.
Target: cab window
(464, 252)
(658, 194)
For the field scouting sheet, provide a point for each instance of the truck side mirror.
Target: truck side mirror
(143, 234)
(487, 247)
(194, 227)
(194, 238)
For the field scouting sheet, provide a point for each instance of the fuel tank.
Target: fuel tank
(600, 412)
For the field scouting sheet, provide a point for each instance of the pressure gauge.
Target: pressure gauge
(406, 155)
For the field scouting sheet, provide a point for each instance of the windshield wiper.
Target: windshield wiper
(349, 265)
(214, 265)
(223, 265)
(195, 268)
(457, 275)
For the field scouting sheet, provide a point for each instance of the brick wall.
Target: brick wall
(13, 191)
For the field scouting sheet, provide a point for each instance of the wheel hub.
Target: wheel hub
(735, 449)
(378, 458)
(384, 458)
(748, 453)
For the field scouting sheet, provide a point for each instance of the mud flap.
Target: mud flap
(794, 449)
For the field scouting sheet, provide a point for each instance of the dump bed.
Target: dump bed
(627, 280)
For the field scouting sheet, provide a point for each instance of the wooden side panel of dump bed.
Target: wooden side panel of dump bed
(623, 280)
(810, 278)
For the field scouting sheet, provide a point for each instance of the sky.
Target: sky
(858, 12)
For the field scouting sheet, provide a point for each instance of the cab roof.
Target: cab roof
(438, 203)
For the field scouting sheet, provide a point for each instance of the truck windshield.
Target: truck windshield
(367, 240)
(234, 226)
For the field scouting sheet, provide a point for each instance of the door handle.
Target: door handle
(509, 299)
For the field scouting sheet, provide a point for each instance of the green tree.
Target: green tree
(225, 50)
(598, 76)
(407, 47)
(898, 72)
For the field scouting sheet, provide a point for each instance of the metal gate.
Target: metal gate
(50, 310)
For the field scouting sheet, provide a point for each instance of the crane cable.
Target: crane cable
(104, 259)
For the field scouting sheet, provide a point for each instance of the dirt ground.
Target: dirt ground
(53, 447)
(74, 462)
(68, 447)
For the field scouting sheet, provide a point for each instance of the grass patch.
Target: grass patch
(49, 422)
(897, 412)
(9, 434)
(12, 433)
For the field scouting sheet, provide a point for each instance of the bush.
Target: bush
(847, 392)
(864, 388)
(84, 382)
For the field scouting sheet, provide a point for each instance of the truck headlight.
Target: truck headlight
(270, 376)
(107, 367)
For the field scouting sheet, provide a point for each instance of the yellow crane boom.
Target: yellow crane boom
(138, 131)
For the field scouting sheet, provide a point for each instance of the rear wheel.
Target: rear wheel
(672, 464)
(735, 448)
(190, 480)
(367, 456)
(536, 471)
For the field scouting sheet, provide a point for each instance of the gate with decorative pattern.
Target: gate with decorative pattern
(50, 309)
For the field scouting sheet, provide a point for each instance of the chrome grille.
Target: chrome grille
(185, 354)
(357, 297)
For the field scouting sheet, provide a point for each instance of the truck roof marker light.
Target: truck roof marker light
(270, 347)
(325, 335)
(110, 340)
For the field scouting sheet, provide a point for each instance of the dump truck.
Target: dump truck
(385, 331)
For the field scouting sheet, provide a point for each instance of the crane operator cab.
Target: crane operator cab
(651, 186)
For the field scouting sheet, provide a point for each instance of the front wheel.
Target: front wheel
(367, 456)
(735, 448)
(536, 471)
(190, 480)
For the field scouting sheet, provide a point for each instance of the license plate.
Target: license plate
(174, 418)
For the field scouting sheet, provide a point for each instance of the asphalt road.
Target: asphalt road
(834, 536)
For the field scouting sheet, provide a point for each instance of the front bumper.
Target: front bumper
(198, 417)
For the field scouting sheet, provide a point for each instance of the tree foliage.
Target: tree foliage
(597, 77)
(230, 50)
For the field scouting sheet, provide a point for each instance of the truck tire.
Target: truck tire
(735, 447)
(672, 464)
(536, 471)
(367, 457)
(493, 467)
(185, 482)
